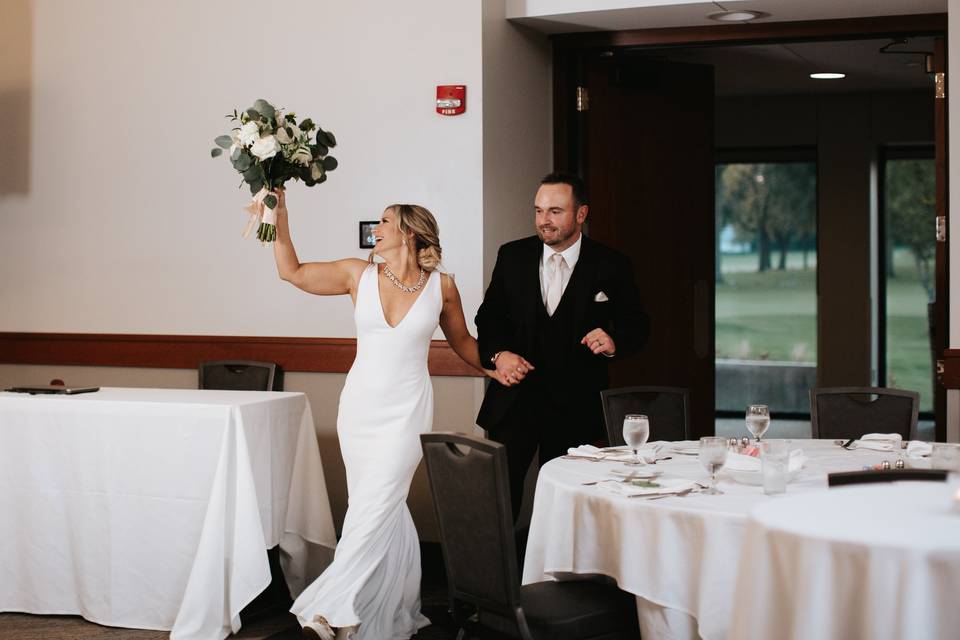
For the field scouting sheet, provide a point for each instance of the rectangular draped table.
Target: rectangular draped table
(153, 508)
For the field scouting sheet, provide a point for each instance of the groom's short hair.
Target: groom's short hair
(576, 184)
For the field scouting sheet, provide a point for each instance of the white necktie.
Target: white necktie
(555, 286)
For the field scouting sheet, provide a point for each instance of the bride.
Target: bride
(372, 588)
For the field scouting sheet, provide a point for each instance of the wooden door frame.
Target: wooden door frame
(568, 50)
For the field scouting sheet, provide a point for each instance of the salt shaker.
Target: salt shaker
(885, 465)
(900, 464)
(744, 442)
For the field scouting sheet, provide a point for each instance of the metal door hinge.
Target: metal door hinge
(939, 367)
(583, 99)
(941, 228)
(940, 85)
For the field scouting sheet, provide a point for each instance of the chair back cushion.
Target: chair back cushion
(468, 479)
(666, 407)
(851, 412)
(241, 375)
(885, 475)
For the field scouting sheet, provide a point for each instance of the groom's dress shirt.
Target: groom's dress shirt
(570, 256)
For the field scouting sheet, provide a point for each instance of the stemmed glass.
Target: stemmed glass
(758, 419)
(636, 430)
(713, 455)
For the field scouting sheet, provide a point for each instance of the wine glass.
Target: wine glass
(758, 419)
(636, 430)
(713, 455)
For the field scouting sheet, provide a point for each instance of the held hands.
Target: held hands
(599, 341)
(511, 369)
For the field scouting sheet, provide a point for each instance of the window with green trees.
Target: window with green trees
(766, 308)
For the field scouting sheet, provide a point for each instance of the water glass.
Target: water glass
(636, 430)
(774, 466)
(713, 455)
(758, 419)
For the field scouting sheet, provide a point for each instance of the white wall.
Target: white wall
(517, 127)
(129, 226)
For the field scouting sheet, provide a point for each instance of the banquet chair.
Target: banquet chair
(884, 475)
(241, 375)
(471, 495)
(668, 409)
(851, 412)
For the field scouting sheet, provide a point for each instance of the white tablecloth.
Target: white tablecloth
(879, 562)
(678, 555)
(153, 508)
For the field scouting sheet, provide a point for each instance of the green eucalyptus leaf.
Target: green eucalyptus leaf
(224, 141)
(324, 138)
(322, 178)
(332, 138)
(307, 125)
(215, 152)
(270, 201)
(319, 150)
(265, 108)
(243, 162)
(253, 114)
(329, 163)
(255, 187)
(235, 154)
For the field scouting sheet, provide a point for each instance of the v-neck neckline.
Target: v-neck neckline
(383, 313)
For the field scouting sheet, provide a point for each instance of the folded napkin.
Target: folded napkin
(879, 442)
(918, 449)
(740, 462)
(648, 453)
(666, 486)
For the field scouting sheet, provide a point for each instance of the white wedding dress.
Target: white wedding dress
(386, 403)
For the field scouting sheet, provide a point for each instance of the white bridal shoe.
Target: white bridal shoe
(346, 633)
(319, 628)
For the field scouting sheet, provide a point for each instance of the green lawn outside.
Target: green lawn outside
(772, 316)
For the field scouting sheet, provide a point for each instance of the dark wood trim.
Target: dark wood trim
(758, 33)
(325, 355)
(941, 315)
(951, 369)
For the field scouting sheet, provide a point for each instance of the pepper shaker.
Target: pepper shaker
(885, 465)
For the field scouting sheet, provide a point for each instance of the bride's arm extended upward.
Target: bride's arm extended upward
(455, 328)
(321, 278)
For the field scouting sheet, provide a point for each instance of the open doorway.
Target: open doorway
(802, 294)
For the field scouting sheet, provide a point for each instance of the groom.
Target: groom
(558, 309)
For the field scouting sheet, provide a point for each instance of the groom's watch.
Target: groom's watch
(494, 357)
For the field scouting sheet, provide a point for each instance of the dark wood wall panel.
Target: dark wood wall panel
(951, 369)
(325, 355)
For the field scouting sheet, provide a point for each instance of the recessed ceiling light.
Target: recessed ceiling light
(737, 16)
(828, 76)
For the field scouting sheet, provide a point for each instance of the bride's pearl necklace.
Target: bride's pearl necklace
(398, 283)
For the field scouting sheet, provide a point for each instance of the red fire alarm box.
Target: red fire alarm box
(451, 99)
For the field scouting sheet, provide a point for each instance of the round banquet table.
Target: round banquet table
(678, 555)
(870, 561)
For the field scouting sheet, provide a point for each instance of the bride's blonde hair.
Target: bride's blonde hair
(426, 233)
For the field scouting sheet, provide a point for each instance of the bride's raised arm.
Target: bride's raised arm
(320, 278)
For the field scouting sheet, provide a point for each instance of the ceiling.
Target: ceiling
(567, 16)
(785, 68)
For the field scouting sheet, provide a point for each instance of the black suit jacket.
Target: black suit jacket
(511, 318)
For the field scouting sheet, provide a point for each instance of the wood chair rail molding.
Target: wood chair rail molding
(324, 355)
(756, 33)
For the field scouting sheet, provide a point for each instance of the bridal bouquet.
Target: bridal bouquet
(267, 148)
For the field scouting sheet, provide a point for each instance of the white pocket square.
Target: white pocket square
(600, 297)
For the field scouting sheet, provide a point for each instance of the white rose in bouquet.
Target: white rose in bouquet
(248, 134)
(266, 147)
(302, 156)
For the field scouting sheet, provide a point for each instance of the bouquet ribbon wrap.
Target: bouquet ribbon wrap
(259, 212)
